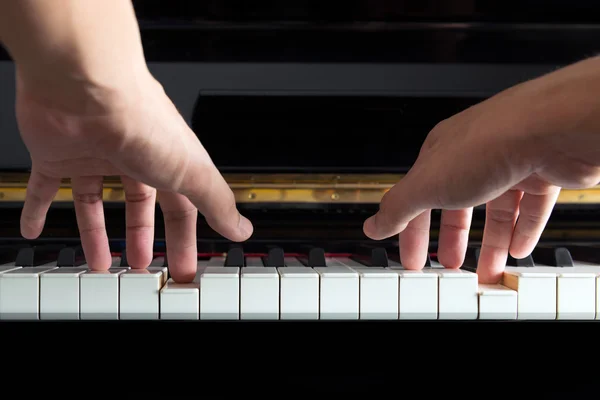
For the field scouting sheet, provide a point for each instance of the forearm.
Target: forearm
(573, 110)
(62, 42)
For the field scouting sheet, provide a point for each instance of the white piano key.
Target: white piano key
(99, 294)
(345, 261)
(339, 293)
(159, 268)
(536, 291)
(259, 293)
(254, 262)
(576, 296)
(497, 302)
(292, 262)
(299, 293)
(379, 293)
(218, 261)
(220, 293)
(180, 301)
(457, 293)
(418, 294)
(8, 267)
(59, 293)
(20, 292)
(394, 264)
(139, 294)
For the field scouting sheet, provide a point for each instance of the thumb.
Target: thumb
(401, 204)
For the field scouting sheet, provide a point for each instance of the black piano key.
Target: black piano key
(394, 255)
(235, 257)
(275, 258)
(8, 254)
(70, 257)
(428, 260)
(25, 257)
(379, 257)
(124, 262)
(553, 256)
(313, 257)
(520, 262)
(372, 256)
(471, 259)
(585, 254)
(47, 253)
(316, 258)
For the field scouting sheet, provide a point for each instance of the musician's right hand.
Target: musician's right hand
(88, 107)
(512, 152)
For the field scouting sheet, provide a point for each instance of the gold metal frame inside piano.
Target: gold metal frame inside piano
(279, 188)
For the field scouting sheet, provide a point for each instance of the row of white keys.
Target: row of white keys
(429, 293)
(20, 292)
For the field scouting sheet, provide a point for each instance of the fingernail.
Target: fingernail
(245, 226)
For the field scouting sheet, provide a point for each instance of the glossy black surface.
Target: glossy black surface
(531, 31)
(317, 133)
(317, 11)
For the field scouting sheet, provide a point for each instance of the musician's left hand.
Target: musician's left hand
(513, 152)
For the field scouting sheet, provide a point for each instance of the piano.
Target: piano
(312, 111)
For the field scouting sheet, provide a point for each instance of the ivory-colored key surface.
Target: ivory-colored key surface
(220, 293)
(180, 301)
(59, 293)
(457, 293)
(259, 293)
(418, 295)
(576, 295)
(20, 292)
(139, 293)
(379, 293)
(536, 291)
(99, 294)
(299, 293)
(339, 292)
(497, 302)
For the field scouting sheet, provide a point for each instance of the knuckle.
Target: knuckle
(88, 197)
(501, 216)
(179, 215)
(139, 196)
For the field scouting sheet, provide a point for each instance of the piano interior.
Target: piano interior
(312, 111)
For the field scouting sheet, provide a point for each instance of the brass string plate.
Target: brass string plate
(279, 188)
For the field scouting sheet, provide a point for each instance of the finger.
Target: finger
(140, 203)
(180, 164)
(208, 191)
(501, 215)
(40, 193)
(180, 217)
(396, 209)
(534, 212)
(87, 196)
(414, 242)
(454, 237)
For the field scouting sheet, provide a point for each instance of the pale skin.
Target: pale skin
(88, 107)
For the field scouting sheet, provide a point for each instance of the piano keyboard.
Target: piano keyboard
(550, 284)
